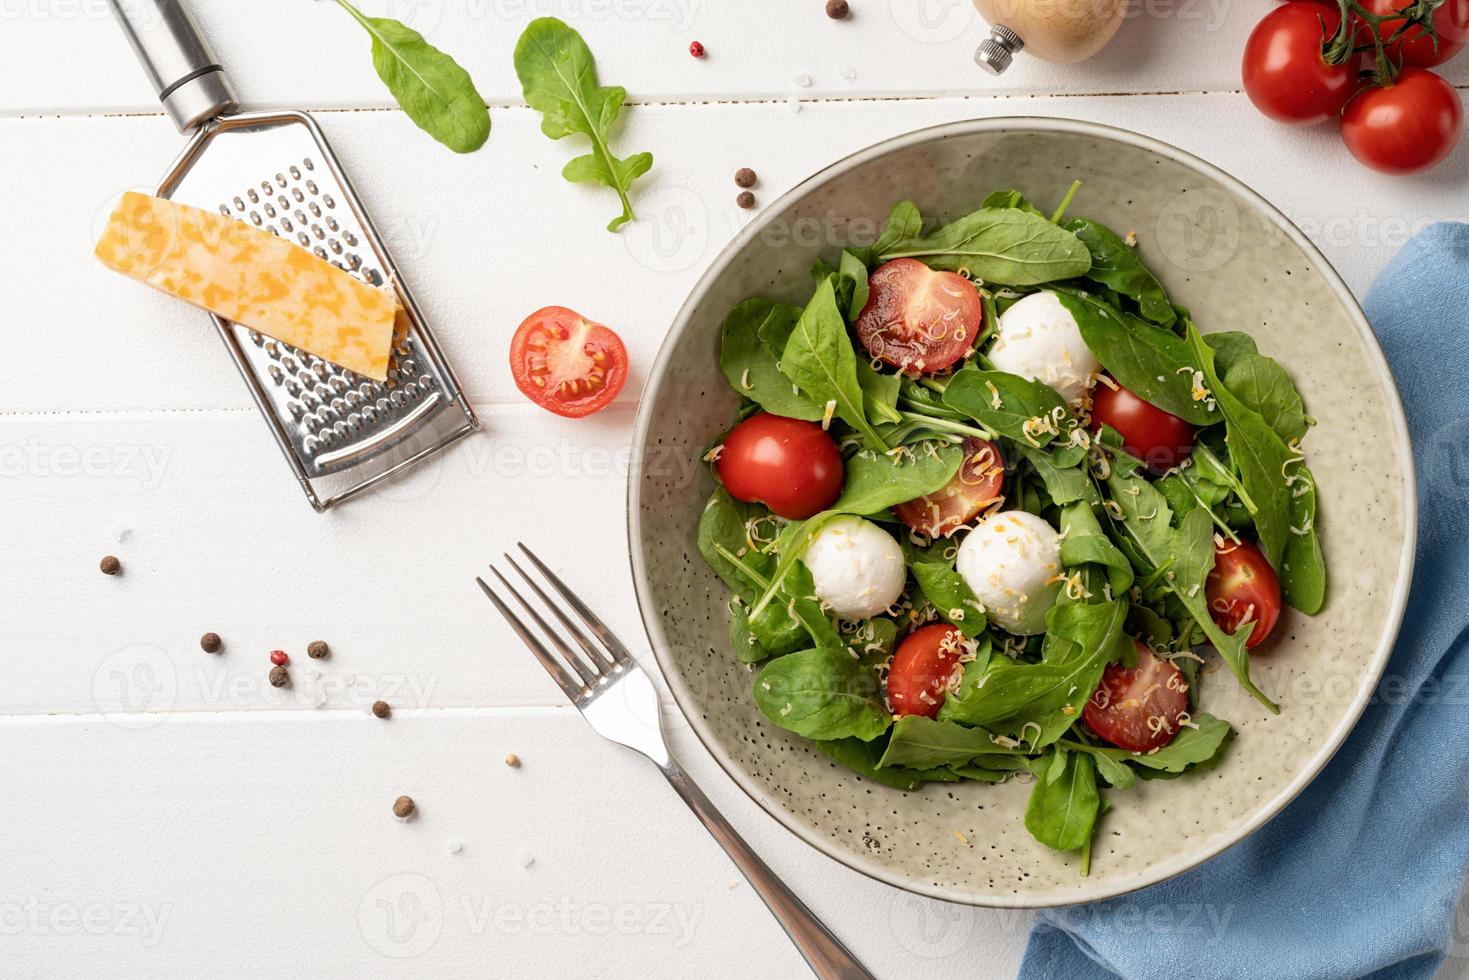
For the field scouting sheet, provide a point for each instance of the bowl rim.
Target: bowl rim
(1083, 891)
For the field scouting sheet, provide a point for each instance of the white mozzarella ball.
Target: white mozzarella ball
(1038, 338)
(1010, 562)
(858, 567)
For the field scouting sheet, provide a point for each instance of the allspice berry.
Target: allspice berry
(512, 760)
(404, 807)
(317, 649)
(279, 677)
(211, 643)
(745, 200)
(110, 565)
(745, 177)
(382, 709)
(837, 9)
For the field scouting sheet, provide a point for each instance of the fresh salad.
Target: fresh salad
(989, 500)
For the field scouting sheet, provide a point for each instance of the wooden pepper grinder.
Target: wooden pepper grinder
(1063, 31)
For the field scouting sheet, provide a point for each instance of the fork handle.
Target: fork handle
(824, 953)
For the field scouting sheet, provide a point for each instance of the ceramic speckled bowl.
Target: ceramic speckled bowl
(1238, 264)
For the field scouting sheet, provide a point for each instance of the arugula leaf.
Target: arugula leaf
(924, 743)
(1261, 456)
(722, 525)
(431, 87)
(822, 694)
(862, 758)
(1065, 803)
(800, 590)
(752, 370)
(1153, 363)
(1083, 542)
(1116, 266)
(1189, 747)
(819, 359)
(1065, 484)
(998, 245)
(946, 589)
(1183, 558)
(1005, 403)
(1263, 385)
(559, 79)
(854, 270)
(775, 332)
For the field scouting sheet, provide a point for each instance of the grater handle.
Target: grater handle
(189, 81)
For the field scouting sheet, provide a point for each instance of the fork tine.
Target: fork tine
(558, 673)
(599, 661)
(599, 629)
(567, 654)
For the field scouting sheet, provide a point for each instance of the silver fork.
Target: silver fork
(619, 702)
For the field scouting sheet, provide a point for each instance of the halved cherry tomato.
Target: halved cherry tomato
(1243, 588)
(1138, 708)
(567, 364)
(976, 486)
(1415, 48)
(1152, 435)
(1405, 127)
(918, 319)
(918, 677)
(1285, 74)
(789, 465)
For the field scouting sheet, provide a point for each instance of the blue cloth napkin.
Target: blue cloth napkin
(1360, 876)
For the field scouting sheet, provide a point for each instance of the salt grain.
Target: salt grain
(524, 858)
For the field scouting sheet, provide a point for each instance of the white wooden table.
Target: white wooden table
(167, 811)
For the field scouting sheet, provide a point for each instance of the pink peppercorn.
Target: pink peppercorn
(279, 658)
(696, 49)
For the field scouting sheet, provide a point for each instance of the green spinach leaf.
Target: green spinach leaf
(752, 370)
(1230, 347)
(558, 77)
(1116, 266)
(1153, 363)
(1192, 745)
(1027, 411)
(1083, 542)
(1064, 803)
(431, 87)
(819, 359)
(822, 694)
(862, 758)
(998, 245)
(923, 743)
(1262, 384)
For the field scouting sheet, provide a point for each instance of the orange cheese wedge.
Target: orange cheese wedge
(253, 278)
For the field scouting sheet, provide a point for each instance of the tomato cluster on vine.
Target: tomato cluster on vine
(1366, 64)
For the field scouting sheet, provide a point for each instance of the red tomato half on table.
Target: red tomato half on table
(918, 677)
(1285, 73)
(1243, 588)
(976, 486)
(1159, 439)
(917, 319)
(1138, 708)
(789, 465)
(1405, 127)
(566, 363)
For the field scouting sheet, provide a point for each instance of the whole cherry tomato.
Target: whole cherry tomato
(1159, 439)
(789, 465)
(1285, 72)
(1406, 127)
(1416, 48)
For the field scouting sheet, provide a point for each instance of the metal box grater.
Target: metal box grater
(341, 432)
